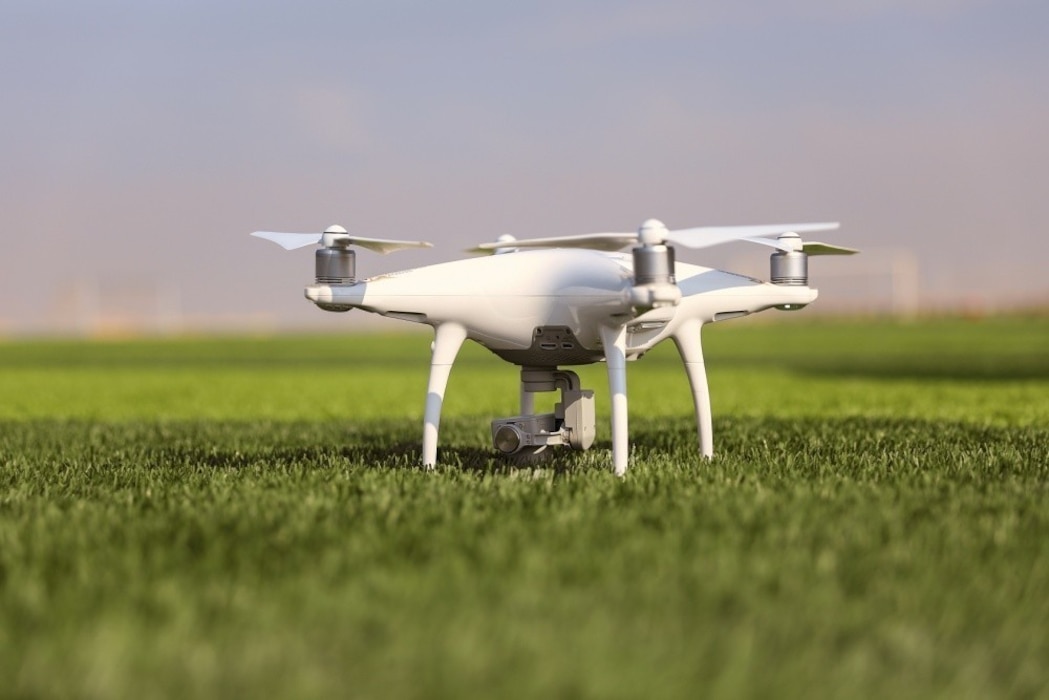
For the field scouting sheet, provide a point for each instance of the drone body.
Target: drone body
(550, 303)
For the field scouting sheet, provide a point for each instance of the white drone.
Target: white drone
(549, 302)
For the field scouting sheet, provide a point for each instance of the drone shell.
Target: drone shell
(502, 299)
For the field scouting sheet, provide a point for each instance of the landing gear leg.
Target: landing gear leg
(614, 341)
(690, 345)
(448, 338)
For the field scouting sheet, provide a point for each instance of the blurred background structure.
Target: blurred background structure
(141, 142)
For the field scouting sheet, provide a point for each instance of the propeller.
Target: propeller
(594, 241)
(791, 242)
(335, 235)
(654, 232)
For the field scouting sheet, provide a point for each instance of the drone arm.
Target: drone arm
(614, 341)
(448, 338)
(689, 344)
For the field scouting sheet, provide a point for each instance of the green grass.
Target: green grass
(243, 517)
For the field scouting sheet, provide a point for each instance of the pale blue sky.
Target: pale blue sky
(146, 139)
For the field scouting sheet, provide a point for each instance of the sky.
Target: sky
(142, 141)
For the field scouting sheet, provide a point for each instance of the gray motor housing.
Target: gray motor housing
(336, 265)
(790, 268)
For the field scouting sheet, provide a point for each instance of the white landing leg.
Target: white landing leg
(614, 341)
(448, 338)
(689, 344)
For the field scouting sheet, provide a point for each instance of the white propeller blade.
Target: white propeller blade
(817, 248)
(706, 236)
(591, 241)
(699, 237)
(386, 245)
(291, 241)
(810, 247)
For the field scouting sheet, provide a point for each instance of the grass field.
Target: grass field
(243, 517)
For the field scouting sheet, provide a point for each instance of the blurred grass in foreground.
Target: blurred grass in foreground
(243, 516)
